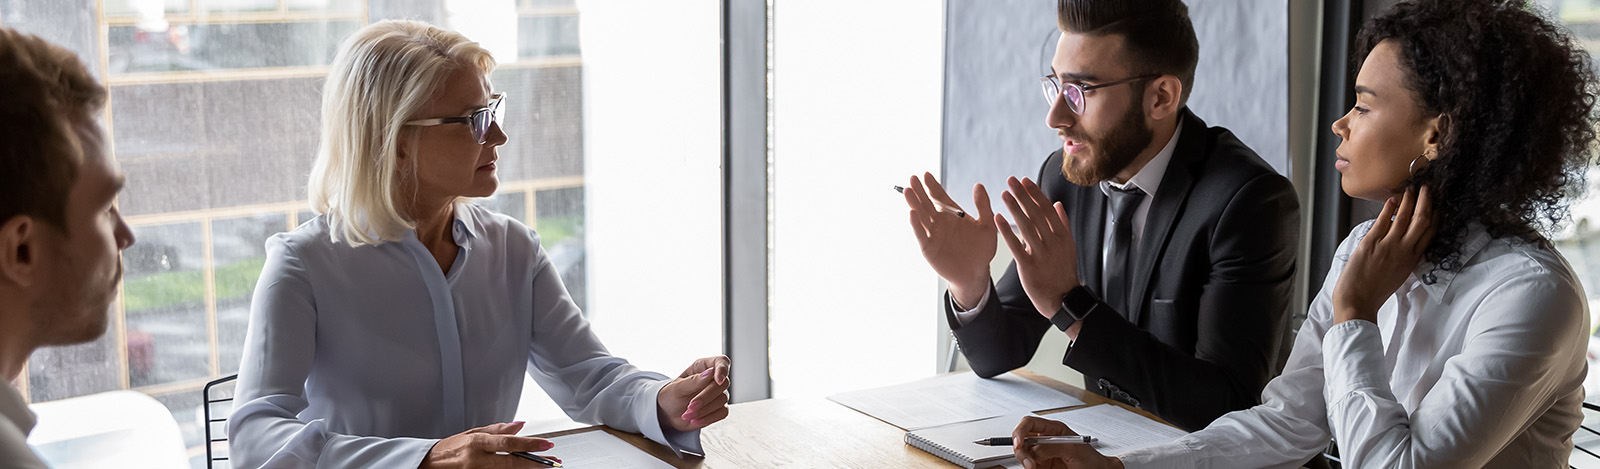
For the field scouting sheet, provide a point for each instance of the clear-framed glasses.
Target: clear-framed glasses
(479, 121)
(1074, 93)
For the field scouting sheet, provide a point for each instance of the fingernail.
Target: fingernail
(688, 415)
(1027, 462)
(546, 446)
(705, 373)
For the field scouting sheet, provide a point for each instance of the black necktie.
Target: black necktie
(1119, 255)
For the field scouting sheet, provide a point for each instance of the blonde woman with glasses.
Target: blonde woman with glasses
(394, 329)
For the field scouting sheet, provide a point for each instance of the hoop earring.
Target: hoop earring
(1413, 167)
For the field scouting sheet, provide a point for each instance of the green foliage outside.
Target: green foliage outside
(237, 279)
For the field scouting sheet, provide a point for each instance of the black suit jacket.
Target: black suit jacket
(1210, 287)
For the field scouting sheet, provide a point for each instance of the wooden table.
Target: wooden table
(813, 432)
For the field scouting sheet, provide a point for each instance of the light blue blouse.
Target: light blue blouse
(366, 356)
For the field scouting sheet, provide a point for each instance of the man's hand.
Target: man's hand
(958, 248)
(1391, 250)
(698, 397)
(1046, 254)
(1055, 455)
(485, 447)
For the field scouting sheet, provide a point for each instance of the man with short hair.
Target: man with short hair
(60, 232)
(1163, 248)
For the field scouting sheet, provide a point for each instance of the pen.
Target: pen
(1034, 440)
(936, 205)
(535, 458)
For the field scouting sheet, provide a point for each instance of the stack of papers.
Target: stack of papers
(1116, 430)
(954, 398)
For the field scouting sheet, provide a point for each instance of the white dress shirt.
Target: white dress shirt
(1148, 179)
(1483, 368)
(366, 356)
(16, 421)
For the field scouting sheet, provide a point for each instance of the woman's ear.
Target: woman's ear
(1434, 131)
(1163, 97)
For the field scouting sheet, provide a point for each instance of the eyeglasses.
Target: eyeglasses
(479, 121)
(1074, 93)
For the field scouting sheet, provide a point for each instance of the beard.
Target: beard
(1111, 152)
(78, 310)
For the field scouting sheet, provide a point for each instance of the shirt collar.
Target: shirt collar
(15, 409)
(1148, 179)
(1477, 237)
(466, 221)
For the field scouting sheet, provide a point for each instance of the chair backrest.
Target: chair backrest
(108, 429)
(1586, 441)
(218, 406)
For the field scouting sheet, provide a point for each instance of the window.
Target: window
(214, 115)
(1579, 241)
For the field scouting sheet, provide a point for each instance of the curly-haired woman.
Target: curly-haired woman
(1449, 333)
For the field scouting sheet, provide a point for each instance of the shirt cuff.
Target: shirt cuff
(1352, 358)
(1173, 455)
(649, 417)
(965, 317)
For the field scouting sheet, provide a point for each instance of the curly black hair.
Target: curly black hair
(1517, 98)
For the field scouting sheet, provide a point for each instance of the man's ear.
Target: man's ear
(1163, 96)
(20, 250)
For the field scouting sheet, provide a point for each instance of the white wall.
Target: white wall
(857, 93)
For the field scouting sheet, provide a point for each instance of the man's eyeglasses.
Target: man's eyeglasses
(479, 121)
(1074, 93)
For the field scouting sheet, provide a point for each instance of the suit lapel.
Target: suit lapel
(1088, 226)
(1164, 210)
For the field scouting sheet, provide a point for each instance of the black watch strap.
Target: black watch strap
(1076, 305)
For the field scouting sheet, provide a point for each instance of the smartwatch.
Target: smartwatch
(1076, 305)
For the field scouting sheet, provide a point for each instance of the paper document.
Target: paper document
(1117, 430)
(600, 450)
(954, 398)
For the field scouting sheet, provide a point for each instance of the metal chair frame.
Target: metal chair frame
(212, 420)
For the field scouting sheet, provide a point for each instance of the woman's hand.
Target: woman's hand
(1055, 455)
(699, 396)
(1385, 257)
(485, 447)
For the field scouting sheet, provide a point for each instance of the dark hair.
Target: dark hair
(46, 88)
(1156, 34)
(1517, 98)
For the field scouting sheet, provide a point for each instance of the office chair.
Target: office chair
(216, 422)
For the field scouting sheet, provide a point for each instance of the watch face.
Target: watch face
(1079, 301)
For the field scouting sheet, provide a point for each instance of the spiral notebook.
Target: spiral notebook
(953, 442)
(1116, 430)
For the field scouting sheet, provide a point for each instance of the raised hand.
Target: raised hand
(1046, 253)
(699, 396)
(1389, 253)
(958, 247)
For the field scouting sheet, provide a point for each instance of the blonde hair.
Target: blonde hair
(382, 77)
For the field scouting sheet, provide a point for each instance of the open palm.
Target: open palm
(958, 247)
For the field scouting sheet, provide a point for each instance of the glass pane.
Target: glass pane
(1579, 241)
(560, 228)
(330, 6)
(215, 6)
(180, 47)
(75, 370)
(149, 9)
(165, 293)
(238, 248)
(541, 36)
(513, 204)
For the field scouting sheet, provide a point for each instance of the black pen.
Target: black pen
(936, 205)
(1034, 440)
(535, 458)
